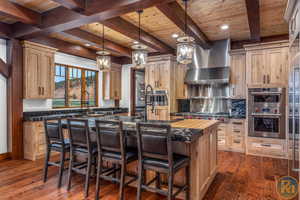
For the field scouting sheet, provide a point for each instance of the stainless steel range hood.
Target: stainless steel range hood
(210, 66)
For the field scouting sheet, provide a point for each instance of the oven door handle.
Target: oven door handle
(266, 115)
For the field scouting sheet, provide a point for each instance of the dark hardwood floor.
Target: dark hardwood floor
(240, 177)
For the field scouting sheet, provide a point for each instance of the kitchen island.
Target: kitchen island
(191, 137)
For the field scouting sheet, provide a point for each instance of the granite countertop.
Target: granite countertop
(67, 113)
(182, 130)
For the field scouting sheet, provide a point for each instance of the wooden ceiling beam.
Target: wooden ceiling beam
(94, 40)
(130, 30)
(76, 5)
(253, 13)
(240, 44)
(19, 13)
(73, 49)
(5, 30)
(177, 15)
(61, 19)
(4, 69)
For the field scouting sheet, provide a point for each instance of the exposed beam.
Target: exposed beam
(76, 5)
(19, 13)
(130, 30)
(177, 15)
(5, 30)
(73, 49)
(92, 39)
(253, 18)
(61, 18)
(240, 44)
(15, 98)
(4, 68)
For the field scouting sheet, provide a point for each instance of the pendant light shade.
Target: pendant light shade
(103, 61)
(185, 49)
(139, 53)
(103, 58)
(185, 44)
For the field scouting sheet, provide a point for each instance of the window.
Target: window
(75, 87)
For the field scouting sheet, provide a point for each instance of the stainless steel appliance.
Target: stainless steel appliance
(266, 112)
(294, 104)
(208, 80)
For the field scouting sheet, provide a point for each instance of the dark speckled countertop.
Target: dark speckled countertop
(187, 135)
(66, 113)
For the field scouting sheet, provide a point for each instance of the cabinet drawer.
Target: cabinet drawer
(267, 147)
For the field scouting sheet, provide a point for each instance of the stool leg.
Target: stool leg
(61, 167)
(70, 169)
(122, 180)
(187, 175)
(170, 185)
(140, 181)
(87, 176)
(158, 180)
(48, 152)
(99, 171)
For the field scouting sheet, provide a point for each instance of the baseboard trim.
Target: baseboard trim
(4, 156)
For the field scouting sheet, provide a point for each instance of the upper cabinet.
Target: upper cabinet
(112, 84)
(38, 71)
(238, 74)
(157, 74)
(267, 64)
(181, 87)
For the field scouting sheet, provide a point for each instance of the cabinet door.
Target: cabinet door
(46, 76)
(181, 88)
(238, 75)
(32, 73)
(150, 76)
(256, 68)
(116, 85)
(150, 115)
(163, 114)
(163, 76)
(277, 64)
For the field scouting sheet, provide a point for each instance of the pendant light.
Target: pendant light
(103, 58)
(139, 53)
(185, 44)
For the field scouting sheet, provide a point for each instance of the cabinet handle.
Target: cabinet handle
(266, 145)
(264, 78)
(237, 123)
(268, 78)
(43, 90)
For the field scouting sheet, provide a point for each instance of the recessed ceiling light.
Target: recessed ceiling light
(87, 45)
(175, 35)
(135, 42)
(225, 27)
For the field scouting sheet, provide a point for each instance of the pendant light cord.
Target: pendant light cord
(103, 37)
(185, 17)
(140, 11)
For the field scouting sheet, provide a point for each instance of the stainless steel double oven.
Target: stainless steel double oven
(266, 112)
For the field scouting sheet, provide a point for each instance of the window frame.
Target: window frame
(83, 86)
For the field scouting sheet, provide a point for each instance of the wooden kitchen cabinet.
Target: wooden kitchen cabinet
(267, 64)
(181, 87)
(38, 71)
(157, 74)
(238, 74)
(112, 84)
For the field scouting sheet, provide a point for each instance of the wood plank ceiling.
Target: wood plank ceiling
(158, 22)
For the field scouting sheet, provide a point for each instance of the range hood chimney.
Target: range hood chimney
(210, 66)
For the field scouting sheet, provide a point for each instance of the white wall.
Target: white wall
(61, 58)
(3, 103)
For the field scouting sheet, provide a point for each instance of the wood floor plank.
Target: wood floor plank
(239, 177)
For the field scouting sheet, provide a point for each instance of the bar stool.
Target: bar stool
(81, 145)
(156, 154)
(55, 142)
(111, 143)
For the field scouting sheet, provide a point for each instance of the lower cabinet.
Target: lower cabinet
(34, 140)
(159, 113)
(268, 147)
(231, 136)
